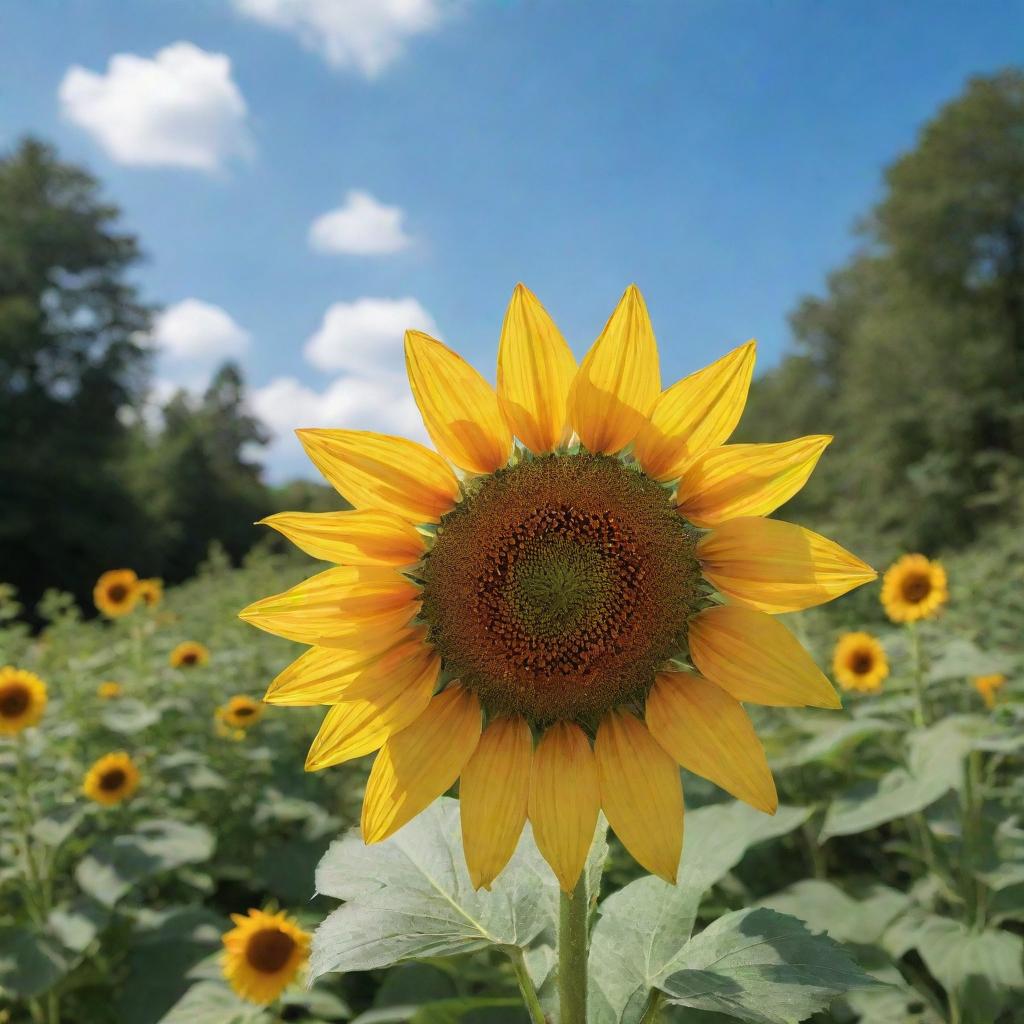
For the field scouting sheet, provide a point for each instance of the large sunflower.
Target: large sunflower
(568, 618)
(116, 592)
(112, 779)
(22, 699)
(859, 662)
(262, 954)
(914, 588)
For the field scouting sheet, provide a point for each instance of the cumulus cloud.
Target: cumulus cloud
(363, 226)
(359, 35)
(365, 334)
(197, 331)
(180, 108)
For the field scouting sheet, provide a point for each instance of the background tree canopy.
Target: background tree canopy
(913, 358)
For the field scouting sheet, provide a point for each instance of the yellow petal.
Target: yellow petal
(327, 675)
(380, 471)
(419, 763)
(695, 414)
(641, 793)
(708, 733)
(362, 537)
(757, 659)
(358, 727)
(618, 382)
(535, 372)
(778, 567)
(459, 408)
(493, 795)
(746, 479)
(564, 800)
(337, 603)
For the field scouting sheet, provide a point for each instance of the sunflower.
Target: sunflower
(240, 712)
(859, 662)
(112, 779)
(262, 954)
(151, 592)
(914, 588)
(189, 653)
(989, 687)
(574, 615)
(22, 699)
(109, 690)
(116, 592)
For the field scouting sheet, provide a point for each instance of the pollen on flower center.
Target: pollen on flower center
(916, 587)
(559, 586)
(14, 702)
(861, 662)
(112, 780)
(268, 950)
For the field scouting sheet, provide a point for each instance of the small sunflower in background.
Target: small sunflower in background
(188, 654)
(989, 687)
(914, 588)
(241, 712)
(859, 662)
(109, 690)
(112, 779)
(151, 592)
(263, 953)
(116, 592)
(22, 699)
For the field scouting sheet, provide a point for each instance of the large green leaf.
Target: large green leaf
(411, 896)
(479, 1009)
(78, 923)
(56, 826)
(213, 1003)
(645, 925)
(962, 659)
(762, 967)
(30, 962)
(113, 867)
(833, 737)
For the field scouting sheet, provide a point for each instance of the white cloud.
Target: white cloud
(365, 334)
(380, 402)
(180, 108)
(360, 35)
(197, 331)
(362, 226)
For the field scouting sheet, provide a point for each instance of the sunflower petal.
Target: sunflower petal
(493, 794)
(380, 471)
(328, 675)
(535, 372)
(695, 414)
(419, 763)
(776, 566)
(459, 408)
(708, 733)
(755, 658)
(336, 604)
(618, 382)
(360, 537)
(354, 728)
(746, 479)
(565, 799)
(641, 793)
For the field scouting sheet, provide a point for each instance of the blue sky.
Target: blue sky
(716, 152)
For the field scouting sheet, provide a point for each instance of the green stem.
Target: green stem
(572, 954)
(526, 986)
(652, 1012)
(920, 714)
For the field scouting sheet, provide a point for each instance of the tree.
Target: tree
(69, 363)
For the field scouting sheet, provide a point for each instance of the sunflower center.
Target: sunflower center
(861, 662)
(189, 658)
(14, 702)
(559, 586)
(117, 593)
(916, 587)
(113, 780)
(268, 950)
(243, 712)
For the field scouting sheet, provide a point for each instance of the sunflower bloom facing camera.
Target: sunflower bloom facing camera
(989, 687)
(548, 624)
(113, 779)
(116, 592)
(859, 662)
(241, 712)
(914, 588)
(189, 654)
(262, 954)
(22, 700)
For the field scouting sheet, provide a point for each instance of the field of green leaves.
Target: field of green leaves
(902, 840)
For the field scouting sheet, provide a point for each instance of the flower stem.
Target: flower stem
(920, 715)
(526, 986)
(652, 1012)
(572, 953)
